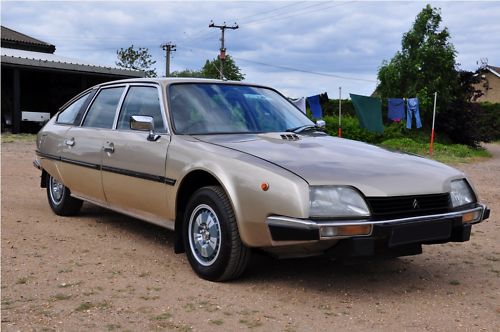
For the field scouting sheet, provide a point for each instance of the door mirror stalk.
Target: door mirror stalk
(144, 123)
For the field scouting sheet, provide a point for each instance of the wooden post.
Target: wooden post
(16, 109)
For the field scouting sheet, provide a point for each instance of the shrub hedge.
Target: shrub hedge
(487, 122)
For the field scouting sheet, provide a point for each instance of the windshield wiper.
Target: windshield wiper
(300, 129)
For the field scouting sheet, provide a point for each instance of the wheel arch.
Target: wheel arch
(193, 181)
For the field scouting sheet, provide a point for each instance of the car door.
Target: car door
(82, 149)
(133, 167)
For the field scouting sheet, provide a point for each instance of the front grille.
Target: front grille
(408, 206)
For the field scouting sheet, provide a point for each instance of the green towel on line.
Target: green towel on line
(369, 112)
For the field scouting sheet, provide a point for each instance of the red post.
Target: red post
(433, 122)
(432, 141)
(340, 131)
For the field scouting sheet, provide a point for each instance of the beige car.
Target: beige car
(230, 167)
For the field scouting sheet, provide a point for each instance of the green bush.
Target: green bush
(332, 108)
(489, 120)
(352, 130)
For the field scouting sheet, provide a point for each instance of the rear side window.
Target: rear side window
(102, 112)
(141, 100)
(68, 115)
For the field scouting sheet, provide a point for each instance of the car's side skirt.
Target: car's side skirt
(148, 217)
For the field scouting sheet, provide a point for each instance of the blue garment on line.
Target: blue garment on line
(315, 107)
(413, 111)
(396, 109)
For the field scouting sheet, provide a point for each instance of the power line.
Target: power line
(305, 71)
(264, 13)
(302, 11)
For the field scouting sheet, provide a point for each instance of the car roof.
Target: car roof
(169, 80)
(163, 81)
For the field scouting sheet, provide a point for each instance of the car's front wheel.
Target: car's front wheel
(60, 199)
(213, 245)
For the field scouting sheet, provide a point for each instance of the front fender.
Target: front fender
(241, 176)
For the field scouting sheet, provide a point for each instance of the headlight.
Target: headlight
(461, 194)
(336, 202)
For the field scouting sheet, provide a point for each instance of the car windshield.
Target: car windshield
(207, 108)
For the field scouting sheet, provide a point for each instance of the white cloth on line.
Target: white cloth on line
(300, 103)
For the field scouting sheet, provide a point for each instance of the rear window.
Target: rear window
(102, 112)
(68, 115)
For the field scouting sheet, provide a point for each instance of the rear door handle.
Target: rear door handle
(109, 147)
(70, 142)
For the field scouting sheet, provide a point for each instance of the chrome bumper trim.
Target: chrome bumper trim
(36, 164)
(307, 224)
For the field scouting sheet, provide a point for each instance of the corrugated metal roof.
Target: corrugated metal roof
(49, 60)
(16, 39)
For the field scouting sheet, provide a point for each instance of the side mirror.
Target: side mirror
(321, 123)
(144, 123)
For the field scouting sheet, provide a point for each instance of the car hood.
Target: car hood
(326, 160)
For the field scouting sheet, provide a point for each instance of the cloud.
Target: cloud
(349, 39)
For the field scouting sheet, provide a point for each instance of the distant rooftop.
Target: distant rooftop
(20, 41)
(47, 60)
(494, 70)
(19, 49)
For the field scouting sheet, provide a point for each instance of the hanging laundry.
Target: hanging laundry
(413, 111)
(323, 99)
(369, 112)
(396, 109)
(300, 103)
(315, 107)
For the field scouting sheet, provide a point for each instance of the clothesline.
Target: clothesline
(369, 111)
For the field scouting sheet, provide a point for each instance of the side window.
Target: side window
(102, 112)
(141, 100)
(68, 115)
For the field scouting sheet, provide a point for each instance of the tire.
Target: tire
(60, 199)
(210, 233)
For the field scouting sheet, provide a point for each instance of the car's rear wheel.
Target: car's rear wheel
(60, 199)
(213, 245)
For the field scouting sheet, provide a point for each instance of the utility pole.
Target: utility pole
(222, 48)
(168, 47)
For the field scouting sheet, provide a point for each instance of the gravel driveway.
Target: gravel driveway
(103, 271)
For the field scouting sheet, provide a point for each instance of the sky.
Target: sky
(301, 48)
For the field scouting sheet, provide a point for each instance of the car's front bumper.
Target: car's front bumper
(439, 228)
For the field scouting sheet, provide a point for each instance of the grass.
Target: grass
(66, 285)
(251, 323)
(217, 322)
(22, 280)
(11, 138)
(113, 327)
(446, 153)
(84, 306)
(61, 297)
(163, 316)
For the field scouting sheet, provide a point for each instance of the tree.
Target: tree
(187, 73)
(139, 59)
(232, 72)
(211, 70)
(425, 64)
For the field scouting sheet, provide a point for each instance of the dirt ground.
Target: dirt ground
(103, 271)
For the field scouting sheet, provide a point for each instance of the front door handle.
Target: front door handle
(109, 147)
(70, 142)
